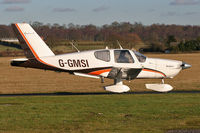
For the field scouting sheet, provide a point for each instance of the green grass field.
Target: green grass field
(4, 48)
(147, 113)
(65, 46)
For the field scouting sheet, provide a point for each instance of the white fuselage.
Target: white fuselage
(151, 67)
(161, 68)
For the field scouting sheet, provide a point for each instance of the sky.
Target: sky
(100, 12)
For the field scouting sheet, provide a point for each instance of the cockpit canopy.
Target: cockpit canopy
(120, 56)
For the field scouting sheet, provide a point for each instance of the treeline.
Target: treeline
(192, 45)
(157, 37)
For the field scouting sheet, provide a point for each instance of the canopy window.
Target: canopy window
(103, 55)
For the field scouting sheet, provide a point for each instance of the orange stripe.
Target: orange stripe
(154, 71)
(99, 72)
(32, 50)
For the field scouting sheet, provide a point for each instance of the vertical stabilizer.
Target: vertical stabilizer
(32, 43)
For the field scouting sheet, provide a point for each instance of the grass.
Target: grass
(148, 113)
(64, 46)
(67, 49)
(5, 48)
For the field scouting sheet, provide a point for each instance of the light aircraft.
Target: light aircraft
(117, 64)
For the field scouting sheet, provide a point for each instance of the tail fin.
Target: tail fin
(32, 44)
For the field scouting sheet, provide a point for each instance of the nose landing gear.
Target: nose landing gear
(161, 87)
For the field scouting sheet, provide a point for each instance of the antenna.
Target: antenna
(72, 43)
(119, 45)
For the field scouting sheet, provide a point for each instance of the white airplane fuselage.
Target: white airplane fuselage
(151, 67)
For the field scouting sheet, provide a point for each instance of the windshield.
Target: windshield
(140, 57)
(123, 56)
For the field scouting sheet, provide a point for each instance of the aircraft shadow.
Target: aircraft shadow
(93, 93)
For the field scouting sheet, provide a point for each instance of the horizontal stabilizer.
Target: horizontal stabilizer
(18, 62)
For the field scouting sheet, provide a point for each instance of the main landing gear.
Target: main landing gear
(118, 87)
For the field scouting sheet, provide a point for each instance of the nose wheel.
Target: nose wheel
(163, 81)
(162, 87)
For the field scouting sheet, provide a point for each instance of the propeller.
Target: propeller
(185, 65)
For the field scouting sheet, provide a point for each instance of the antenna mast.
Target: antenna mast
(72, 43)
(119, 45)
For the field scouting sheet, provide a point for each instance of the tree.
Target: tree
(170, 39)
(37, 24)
(71, 26)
